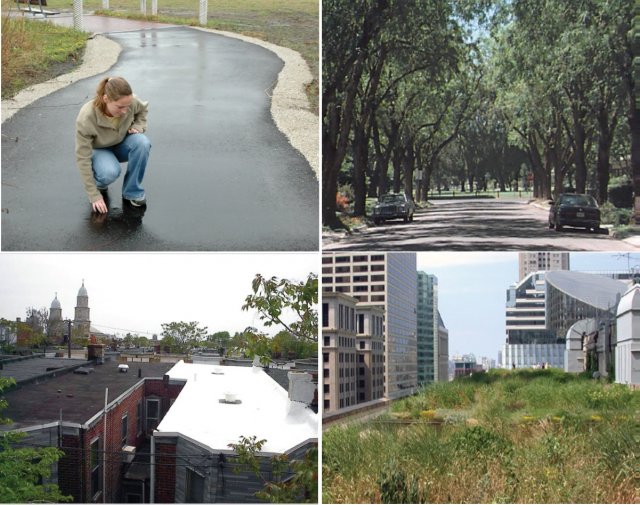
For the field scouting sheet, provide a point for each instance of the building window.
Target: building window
(362, 343)
(325, 357)
(327, 259)
(325, 315)
(94, 460)
(361, 356)
(153, 414)
(124, 430)
(327, 405)
(361, 325)
(194, 492)
(327, 341)
(325, 373)
(326, 388)
(377, 257)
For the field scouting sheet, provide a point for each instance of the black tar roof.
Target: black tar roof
(30, 368)
(79, 396)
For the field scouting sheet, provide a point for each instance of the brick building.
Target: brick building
(111, 454)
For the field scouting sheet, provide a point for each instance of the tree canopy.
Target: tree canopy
(474, 94)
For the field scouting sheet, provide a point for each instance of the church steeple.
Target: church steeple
(82, 320)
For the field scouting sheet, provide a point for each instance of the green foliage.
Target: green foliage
(477, 440)
(302, 487)
(527, 436)
(181, 337)
(291, 305)
(611, 397)
(274, 297)
(23, 468)
(398, 487)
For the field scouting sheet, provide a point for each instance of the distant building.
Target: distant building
(528, 340)
(338, 351)
(370, 352)
(529, 262)
(465, 365)
(389, 281)
(433, 336)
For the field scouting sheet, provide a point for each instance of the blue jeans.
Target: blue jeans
(106, 164)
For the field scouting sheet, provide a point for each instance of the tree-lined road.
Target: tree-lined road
(474, 225)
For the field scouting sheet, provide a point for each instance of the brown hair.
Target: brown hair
(114, 87)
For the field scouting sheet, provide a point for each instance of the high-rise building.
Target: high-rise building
(387, 280)
(370, 352)
(528, 341)
(338, 351)
(529, 262)
(433, 337)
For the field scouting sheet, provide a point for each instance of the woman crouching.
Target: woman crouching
(109, 131)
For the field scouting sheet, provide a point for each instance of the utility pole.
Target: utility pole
(68, 321)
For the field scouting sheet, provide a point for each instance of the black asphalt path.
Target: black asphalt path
(221, 177)
(475, 225)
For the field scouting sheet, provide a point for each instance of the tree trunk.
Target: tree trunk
(605, 139)
(360, 159)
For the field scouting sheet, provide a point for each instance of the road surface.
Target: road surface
(474, 225)
(221, 177)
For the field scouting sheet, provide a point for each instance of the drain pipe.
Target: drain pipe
(104, 449)
(152, 484)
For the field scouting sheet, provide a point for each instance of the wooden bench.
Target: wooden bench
(35, 7)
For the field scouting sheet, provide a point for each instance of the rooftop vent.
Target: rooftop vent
(83, 370)
(231, 399)
(128, 453)
(217, 371)
(123, 368)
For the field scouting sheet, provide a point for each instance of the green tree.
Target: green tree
(181, 336)
(302, 487)
(22, 469)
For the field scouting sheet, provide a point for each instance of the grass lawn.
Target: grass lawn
(508, 437)
(34, 52)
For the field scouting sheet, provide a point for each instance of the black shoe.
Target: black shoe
(138, 202)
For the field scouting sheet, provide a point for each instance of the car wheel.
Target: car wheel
(411, 218)
(376, 220)
(406, 219)
(550, 224)
(558, 226)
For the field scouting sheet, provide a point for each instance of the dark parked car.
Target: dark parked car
(393, 206)
(576, 210)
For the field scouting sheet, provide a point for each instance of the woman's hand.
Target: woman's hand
(133, 130)
(99, 206)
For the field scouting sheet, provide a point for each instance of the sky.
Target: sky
(136, 292)
(472, 292)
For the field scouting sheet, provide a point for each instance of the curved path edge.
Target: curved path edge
(289, 103)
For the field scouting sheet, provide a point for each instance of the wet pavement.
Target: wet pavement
(221, 177)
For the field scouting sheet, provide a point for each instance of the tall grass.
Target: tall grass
(32, 51)
(523, 438)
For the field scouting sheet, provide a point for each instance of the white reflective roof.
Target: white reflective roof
(264, 409)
